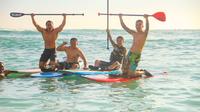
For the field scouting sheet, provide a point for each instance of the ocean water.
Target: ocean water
(173, 51)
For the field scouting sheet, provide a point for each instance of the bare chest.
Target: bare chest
(49, 35)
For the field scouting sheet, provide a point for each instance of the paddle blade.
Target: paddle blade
(16, 14)
(160, 16)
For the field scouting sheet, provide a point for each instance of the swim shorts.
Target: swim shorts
(48, 54)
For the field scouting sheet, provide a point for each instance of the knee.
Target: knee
(41, 65)
(117, 63)
(97, 62)
(75, 66)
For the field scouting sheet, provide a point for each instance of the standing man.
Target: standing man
(49, 35)
(139, 38)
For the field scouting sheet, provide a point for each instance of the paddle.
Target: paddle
(18, 14)
(158, 15)
(107, 23)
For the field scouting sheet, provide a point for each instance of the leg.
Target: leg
(133, 59)
(125, 65)
(43, 60)
(52, 59)
(75, 66)
(116, 65)
(42, 65)
(97, 63)
(100, 65)
(135, 73)
(53, 65)
(61, 65)
(44, 68)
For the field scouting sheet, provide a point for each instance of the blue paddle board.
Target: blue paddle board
(46, 75)
(89, 72)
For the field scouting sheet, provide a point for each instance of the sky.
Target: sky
(180, 14)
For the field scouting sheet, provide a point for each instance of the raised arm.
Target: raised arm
(110, 38)
(60, 28)
(84, 59)
(124, 26)
(147, 23)
(39, 28)
(62, 47)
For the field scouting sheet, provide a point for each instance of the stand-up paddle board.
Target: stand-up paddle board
(22, 73)
(46, 75)
(107, 78)
(89, 72)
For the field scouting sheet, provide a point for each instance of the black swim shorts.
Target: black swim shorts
(48, 54)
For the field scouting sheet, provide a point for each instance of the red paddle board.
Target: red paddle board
(106, 78)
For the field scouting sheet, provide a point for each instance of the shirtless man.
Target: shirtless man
(139, 38)
(49, 35)
(73, 54)
(116, 56)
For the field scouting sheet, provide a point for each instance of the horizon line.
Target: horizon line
(12, 29)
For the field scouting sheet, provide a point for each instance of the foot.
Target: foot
(2, 76)
(147, 73)
(91, 67)
(48, 69)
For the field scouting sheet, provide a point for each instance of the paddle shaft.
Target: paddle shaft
(122, 14)
(17, 14)
(108, 23)
(54, 14)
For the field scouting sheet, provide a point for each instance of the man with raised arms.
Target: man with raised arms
(49, 35)
(130, 63)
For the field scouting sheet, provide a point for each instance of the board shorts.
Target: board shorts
(48, 54)
(133, 58)
(67, 65)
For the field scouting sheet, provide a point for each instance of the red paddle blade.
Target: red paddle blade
(160, 16)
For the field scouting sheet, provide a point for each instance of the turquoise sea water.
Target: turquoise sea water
(173, 51)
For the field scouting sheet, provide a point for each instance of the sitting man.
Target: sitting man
(116, 57)
(73, 54)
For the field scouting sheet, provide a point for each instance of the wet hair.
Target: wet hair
(49, 21)
(139, 21)
(73, 39)
(120, 37)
